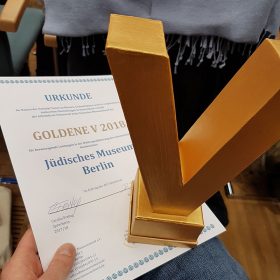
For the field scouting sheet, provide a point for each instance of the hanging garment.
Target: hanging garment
(235, 20)
(209, 30)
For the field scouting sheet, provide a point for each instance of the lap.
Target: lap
(209, 260)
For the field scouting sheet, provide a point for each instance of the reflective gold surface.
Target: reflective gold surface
(147, 226)
(238, 126)
(160, 241)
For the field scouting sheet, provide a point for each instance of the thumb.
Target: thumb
(61, 264)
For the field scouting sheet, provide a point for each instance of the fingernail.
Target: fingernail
(67, 250)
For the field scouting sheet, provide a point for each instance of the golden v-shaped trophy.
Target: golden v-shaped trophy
(176, 177)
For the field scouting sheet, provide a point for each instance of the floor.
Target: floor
(252, 236)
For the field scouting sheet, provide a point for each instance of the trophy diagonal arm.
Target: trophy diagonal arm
(241, 124)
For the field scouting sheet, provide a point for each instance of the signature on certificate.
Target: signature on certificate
(65, 205)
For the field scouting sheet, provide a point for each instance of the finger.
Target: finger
(27, 244)
(26, 253)
(24, 262)
(61, 263)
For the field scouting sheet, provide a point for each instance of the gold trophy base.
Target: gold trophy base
(146, 226)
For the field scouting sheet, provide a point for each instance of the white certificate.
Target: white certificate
(74, 161)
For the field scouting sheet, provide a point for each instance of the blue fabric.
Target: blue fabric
(240, 21)
(208, 261)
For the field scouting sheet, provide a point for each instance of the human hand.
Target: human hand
(25, 263)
